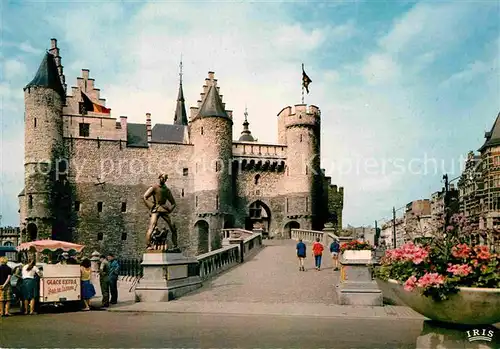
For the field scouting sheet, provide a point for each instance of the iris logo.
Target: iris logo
(480, 335)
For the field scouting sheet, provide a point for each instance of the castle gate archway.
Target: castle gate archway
(289, 226)
(201, 228)
(32, 231)
(259, 215)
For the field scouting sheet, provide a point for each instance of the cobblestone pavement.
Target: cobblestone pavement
(273, 276)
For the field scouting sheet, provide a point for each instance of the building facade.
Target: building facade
(86, 171)
(10, 236)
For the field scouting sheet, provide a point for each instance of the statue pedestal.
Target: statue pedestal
(356, 285)
(167, 276)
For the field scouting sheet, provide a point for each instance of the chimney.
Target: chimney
(149, 132)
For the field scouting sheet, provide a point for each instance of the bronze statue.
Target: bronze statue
(162, 205)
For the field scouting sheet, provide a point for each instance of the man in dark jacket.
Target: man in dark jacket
(301, 254)
(334, 250)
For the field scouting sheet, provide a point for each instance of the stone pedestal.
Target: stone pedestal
(356, 285)
(167, 276)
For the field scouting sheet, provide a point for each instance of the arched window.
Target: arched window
(257, 177)
(30, 201)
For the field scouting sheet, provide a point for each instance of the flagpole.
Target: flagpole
(302, 84)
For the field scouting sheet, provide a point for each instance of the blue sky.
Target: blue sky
(397, 82)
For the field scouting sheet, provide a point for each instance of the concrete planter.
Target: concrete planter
(470, 306)
(357, 255)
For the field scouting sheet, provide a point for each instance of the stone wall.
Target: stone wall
(111, 179)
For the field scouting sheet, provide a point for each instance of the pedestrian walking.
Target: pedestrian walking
(114, 270)
(30, 272)
(88, 290)
(301, 254)
(104, 280)
(5, 291)
(334, 250)
(317, 249)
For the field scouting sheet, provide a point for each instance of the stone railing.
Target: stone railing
(252, 244)
(307, 235)
(217, 261)
(234, 233)
(242, 244)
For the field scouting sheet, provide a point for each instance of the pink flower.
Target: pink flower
(430, 279)
(461, 251)
(459, 269)
(482, 252)
(411, 283)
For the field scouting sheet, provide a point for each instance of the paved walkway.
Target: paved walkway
(270, 283)
(273, 276)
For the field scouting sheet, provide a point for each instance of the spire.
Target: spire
(48, 76)
(246, 135)
(180, 117)
(212, 104)
(492, 137)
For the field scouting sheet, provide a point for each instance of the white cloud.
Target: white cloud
(471, 72)
(28, 48)
(380, 69)
(13, 68)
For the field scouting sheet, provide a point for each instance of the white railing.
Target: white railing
(214, 262)
(217, 261)
(235, 233)
(307, 235)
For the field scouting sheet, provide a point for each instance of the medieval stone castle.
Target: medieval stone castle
(86, 171)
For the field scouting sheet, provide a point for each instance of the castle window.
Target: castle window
(34, 122)
(307, 204)
(217, 202)
(99, 206)
(185, 172)
(201, 130)
(84, 129)
(255, 210)
(77, 206)
(30, 201)
(124, 236)
(182, 193)
(100, 236)
(307, 169)
(257, 192)
(286, 205)
(257, 177)
(196, 201)
(124, 207)
(217, 166)
(301, 138)
(287, 173)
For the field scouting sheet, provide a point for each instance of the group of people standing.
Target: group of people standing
(26, 288)
(317, 251)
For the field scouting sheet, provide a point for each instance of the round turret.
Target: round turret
(299, 129)
(211, 134)
(44, 99)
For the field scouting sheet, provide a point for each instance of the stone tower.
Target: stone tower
(44, 157)
(300, 129)
(211, 133)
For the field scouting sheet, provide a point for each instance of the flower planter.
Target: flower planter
(470, 306)
(357, 255)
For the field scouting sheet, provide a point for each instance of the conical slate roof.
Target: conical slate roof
(212, 104)
(492, 137)
(180, 117)
(48, 76)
